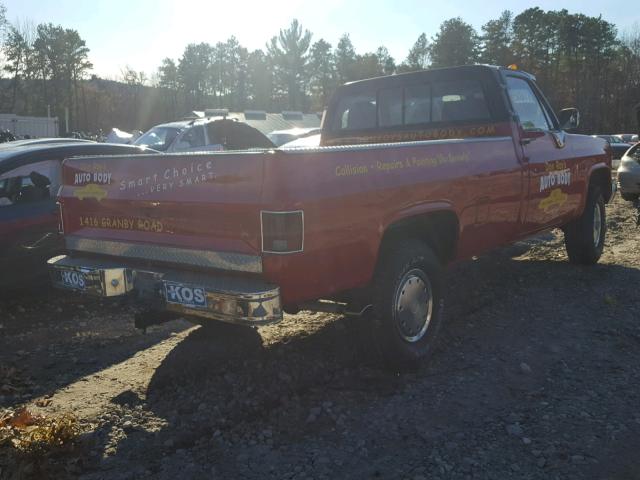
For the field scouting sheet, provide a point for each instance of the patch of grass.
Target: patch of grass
(29, 442)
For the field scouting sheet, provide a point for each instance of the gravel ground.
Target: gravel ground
(536, 376)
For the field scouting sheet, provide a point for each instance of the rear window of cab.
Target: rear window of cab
(437, 102)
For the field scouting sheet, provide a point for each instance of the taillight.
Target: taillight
(282, 232)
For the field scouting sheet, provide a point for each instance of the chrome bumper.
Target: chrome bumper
(231, 299)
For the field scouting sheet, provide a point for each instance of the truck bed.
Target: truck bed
(203, 210)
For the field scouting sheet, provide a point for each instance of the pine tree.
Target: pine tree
(323, 73)
(289, 53)
(345, 58)
(496, 40)
(455, 44)
(418, 57)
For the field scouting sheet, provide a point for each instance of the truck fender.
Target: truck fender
(404, 216)
(418, 209)
(597, 169)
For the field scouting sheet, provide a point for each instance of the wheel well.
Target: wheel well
(439, 230)
(602, 178)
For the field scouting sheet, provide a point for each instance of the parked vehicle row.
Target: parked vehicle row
(630, 138)
(618, 147)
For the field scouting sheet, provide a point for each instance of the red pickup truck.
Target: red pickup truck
(413, 172)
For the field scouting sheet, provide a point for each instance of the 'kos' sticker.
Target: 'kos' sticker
(187, 295)
(73, 279)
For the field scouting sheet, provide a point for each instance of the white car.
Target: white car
(203, 135)
(304, 142)
(629, 174)
(280, 137)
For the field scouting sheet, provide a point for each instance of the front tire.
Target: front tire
(584, 237)
(408, 303)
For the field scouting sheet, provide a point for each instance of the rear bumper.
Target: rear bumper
(232, 299)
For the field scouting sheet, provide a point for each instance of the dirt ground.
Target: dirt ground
(537, 376)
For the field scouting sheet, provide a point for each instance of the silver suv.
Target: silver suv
(203, 135)
(629, 174)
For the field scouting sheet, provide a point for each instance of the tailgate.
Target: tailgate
(200, 209)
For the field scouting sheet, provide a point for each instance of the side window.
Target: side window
(216, 133)
(390, 107)
(458, 101)
(241, 136)
(196, 138)
(9, 189)
(192, 138)
(526, 105)
(356, 113)
(452, 101)
(29, 183)
(417, 104)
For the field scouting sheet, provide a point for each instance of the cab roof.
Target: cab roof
(441, 72)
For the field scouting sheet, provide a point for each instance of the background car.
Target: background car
(280, 137)
(304, 142)
(618, 147)
(42, 141)
(120, 136)
(29, 179)
(629, 174)
(202, 135)
(627, 137)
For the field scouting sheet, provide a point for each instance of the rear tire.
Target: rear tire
(584, 237)
(408, 303)
(629, 197)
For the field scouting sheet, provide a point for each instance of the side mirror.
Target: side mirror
(569, 118)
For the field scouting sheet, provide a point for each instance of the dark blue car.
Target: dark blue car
(29, 179)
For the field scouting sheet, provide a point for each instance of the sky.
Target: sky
(140, 33)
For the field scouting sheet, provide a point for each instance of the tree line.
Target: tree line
(45, 65)
(579, 61)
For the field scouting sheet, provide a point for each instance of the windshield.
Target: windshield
(158, 138)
